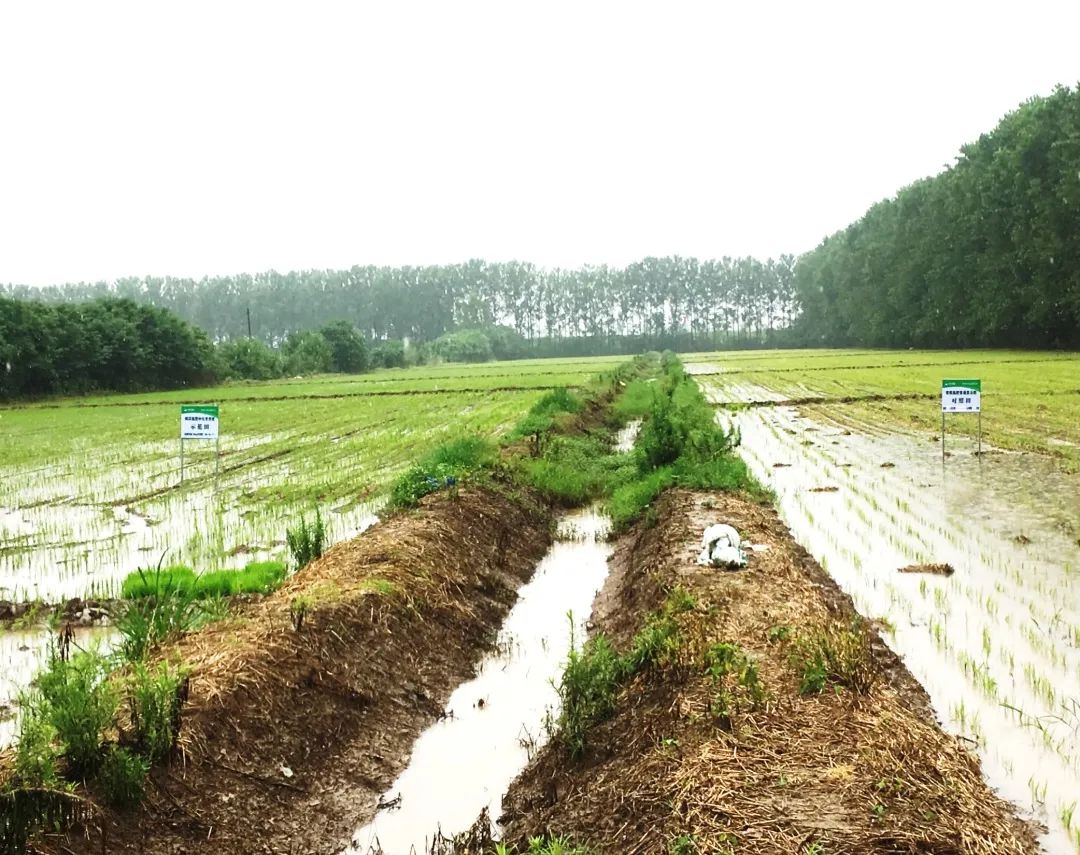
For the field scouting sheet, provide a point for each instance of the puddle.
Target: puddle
(22, 653)
(997, 643)
(627, 436)
(465, 762)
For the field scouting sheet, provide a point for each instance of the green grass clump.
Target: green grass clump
(160, 581)
(35, 757)
(154, 699)
(258, 577)
(306, 541)
(443, 467)
(593, 675)
(545, 846)
(146, 622)
(628, 501)
(587, 690)
(123, 777)
(574, 470)
(635, 401)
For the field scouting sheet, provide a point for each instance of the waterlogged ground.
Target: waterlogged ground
(495, 722)
(22, 654)
(996, 644)
(90, 488)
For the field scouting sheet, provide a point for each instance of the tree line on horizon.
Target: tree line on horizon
(985, 254)
(659, 301)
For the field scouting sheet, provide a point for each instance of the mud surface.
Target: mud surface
(838, 771)
(290, 736)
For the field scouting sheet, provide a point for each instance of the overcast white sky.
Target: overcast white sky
(219, 137)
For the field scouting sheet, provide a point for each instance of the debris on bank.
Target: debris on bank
(932, 569)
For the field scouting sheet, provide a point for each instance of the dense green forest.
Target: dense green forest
(103, 344)
(985, 254)
(658, 302)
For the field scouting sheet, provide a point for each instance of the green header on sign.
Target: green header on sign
(975, 385)
(201, 409)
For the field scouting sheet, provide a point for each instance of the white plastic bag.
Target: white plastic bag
(721, 546)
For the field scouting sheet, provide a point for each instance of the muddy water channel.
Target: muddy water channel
(493, 723)
(997, 643)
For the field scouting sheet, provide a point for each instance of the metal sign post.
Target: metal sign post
(200, 421)
(960, 396)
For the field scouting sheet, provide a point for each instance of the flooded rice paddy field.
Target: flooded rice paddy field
(90, 488)
(996, 644)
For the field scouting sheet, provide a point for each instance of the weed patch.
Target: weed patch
(593, 676)
(79, 702)
(835, 655)
(443, 467)
(154, 697)
(306, 541)
(123, 777)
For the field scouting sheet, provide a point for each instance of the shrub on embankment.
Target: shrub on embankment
(680, 444)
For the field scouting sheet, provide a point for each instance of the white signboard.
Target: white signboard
(199, 422)
(961, 396)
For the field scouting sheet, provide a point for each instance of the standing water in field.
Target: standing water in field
(996, 644)
(22, 655)
(494, 722)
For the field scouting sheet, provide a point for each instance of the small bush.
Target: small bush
(123, 777)
(540, 419)
(587, 690)
(560, 400)
(154, 699)
(306, 541)
(661, 438)
(79, 703)
(35, 757)
(837, 655)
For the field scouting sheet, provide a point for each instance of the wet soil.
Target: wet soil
(835, 772)
(289, 737)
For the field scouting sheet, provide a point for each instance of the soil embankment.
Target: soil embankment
(289, 736)
(680, 768)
